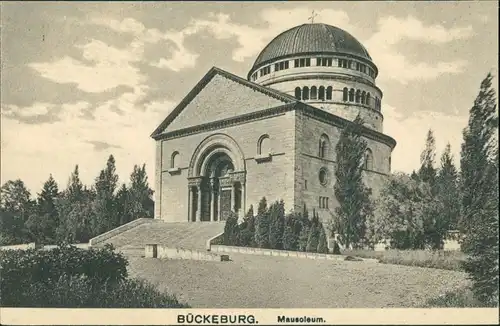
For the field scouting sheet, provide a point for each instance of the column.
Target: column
(198, 209)
(218, 204)
(190, 203)
(233, 201)
(212, 201)
(243, 200)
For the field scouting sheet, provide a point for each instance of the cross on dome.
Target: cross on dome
(312, 17)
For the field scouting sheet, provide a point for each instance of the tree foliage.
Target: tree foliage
(351, 193)
(479, 190)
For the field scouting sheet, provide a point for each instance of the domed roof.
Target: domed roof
(311, 38)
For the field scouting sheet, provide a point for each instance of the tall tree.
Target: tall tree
(447, 190)
(427, 172)
(479, 189)
(43, 223)
(400, 212)
(123, 205)
(74, 206)
(262, 226)
(276, 225)
(350, 191)
(15, 208)
(141, 194)
(104, 202)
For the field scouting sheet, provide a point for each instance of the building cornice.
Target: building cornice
(332, 76)
(313, 54)
(308, 110)
(337, 121)
(229, 122)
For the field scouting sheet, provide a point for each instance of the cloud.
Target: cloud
(410, 133)
(181, 57)
(391, 31)
(57, 147)
(101, 146)
(252, 40)
(111, 68)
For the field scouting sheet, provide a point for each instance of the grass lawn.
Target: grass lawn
(450, 260)
(250, 281)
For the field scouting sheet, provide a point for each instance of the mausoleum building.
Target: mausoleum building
(232, 141)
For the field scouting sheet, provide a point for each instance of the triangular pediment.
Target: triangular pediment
(218, 96)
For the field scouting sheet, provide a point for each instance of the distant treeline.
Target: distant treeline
(77, 213)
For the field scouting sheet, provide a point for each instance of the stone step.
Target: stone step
(188, 235)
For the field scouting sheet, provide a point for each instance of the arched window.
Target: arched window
(329, 91)
(389, 164)
(298, 93)
(174, 160)
(368, 159)
(314, 93)
(324, 145)
(321, 94)
(305, 93)
(351, 95)
(345, 94)
(358, 96)
(363, 97)
(368, 98)
(263, 145)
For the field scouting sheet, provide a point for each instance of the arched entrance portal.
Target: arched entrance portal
(216, 181)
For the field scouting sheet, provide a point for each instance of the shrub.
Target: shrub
(450, 260)
(462, 298)
(231, 231)
(21, 269)
(314, 233)
(247, 228)
(322, 243)
(72, 277)
(81, 292)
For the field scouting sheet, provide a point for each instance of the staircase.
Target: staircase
(186, 235)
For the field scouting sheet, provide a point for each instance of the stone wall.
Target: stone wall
(308, 188)
(164, 252)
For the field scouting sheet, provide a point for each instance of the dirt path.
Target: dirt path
(279, 282)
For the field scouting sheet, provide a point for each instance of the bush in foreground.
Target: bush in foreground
(463, 298)
(450, 260)
(70, 277)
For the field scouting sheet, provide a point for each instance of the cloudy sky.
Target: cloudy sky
(81, 81)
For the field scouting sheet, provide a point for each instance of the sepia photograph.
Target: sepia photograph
(245, 162)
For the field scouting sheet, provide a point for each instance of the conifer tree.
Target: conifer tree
(479, 190)
(231, 231)
(427, 172)
(140, 194)
(303, 230)
(247, 233)
(42, 224)
(448, 192)
(123, 205)
(350, 191)
(276, 225)
(291, 232)
(314, 233)
(322, 241)
(262, 225)
(104, 203)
